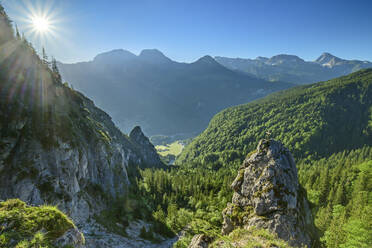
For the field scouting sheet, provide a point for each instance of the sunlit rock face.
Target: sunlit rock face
(56, 147)
(267, 195)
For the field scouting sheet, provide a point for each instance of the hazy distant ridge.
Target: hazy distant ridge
(291, 68)
(161, 95)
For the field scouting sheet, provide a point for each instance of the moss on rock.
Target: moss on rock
(27, 226)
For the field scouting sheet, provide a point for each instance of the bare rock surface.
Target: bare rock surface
(199, 241)
(72, 237)
(267, 195)
(97, 236)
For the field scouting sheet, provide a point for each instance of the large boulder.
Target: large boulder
(267, 195)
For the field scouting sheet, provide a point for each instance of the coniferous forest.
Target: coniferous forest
(292, 168)
(334, 161)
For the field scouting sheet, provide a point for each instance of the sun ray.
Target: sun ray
(41, 22)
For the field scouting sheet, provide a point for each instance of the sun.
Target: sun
(40, 24)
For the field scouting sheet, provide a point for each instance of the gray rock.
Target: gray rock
(267, 195)
(71, 237)
(97, 236)
(145, 147)
(199, 241)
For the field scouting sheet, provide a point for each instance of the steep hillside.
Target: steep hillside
(290, 68)
(312, 121)
(56, 146)
(173, 98)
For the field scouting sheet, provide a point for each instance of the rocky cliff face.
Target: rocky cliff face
(144, 147)
(267, 195)
(56, 147)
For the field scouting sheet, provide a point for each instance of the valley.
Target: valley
(132, 150)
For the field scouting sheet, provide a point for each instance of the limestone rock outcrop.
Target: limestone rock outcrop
(145, 148)
(268, 195)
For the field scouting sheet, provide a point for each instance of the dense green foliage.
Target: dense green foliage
(24, 226)
(340, 188)
(312, 121)
(328, 128)
(188, 198)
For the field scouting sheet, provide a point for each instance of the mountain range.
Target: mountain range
(291, 68)
(170, 97)
(175, 98)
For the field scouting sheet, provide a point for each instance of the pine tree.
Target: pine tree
(55, 69)
(18, 36)
(44, 57)
(324, 188)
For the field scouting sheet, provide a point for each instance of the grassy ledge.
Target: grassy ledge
(24, 226)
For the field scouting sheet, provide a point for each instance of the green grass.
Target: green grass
(174, 148)
(250, 238)
(24, 226)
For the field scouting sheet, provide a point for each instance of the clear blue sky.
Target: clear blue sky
(188, 29)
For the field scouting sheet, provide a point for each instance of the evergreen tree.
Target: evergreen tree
(18, 36)
(55, 69)
(44, 57)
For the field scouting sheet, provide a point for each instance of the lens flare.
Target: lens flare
(40, 24)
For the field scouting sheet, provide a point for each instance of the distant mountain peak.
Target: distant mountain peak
(154, 56)
(263, 59)
(327, 59)
(207, 60)
(284, 58)
(117, 55)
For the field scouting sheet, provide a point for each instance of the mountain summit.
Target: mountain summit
(114, 56)
(153, 56)
(327, 59)
(284, 59)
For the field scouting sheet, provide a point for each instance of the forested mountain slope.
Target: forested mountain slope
(312, 121)
(173, 98)
(328, 128)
